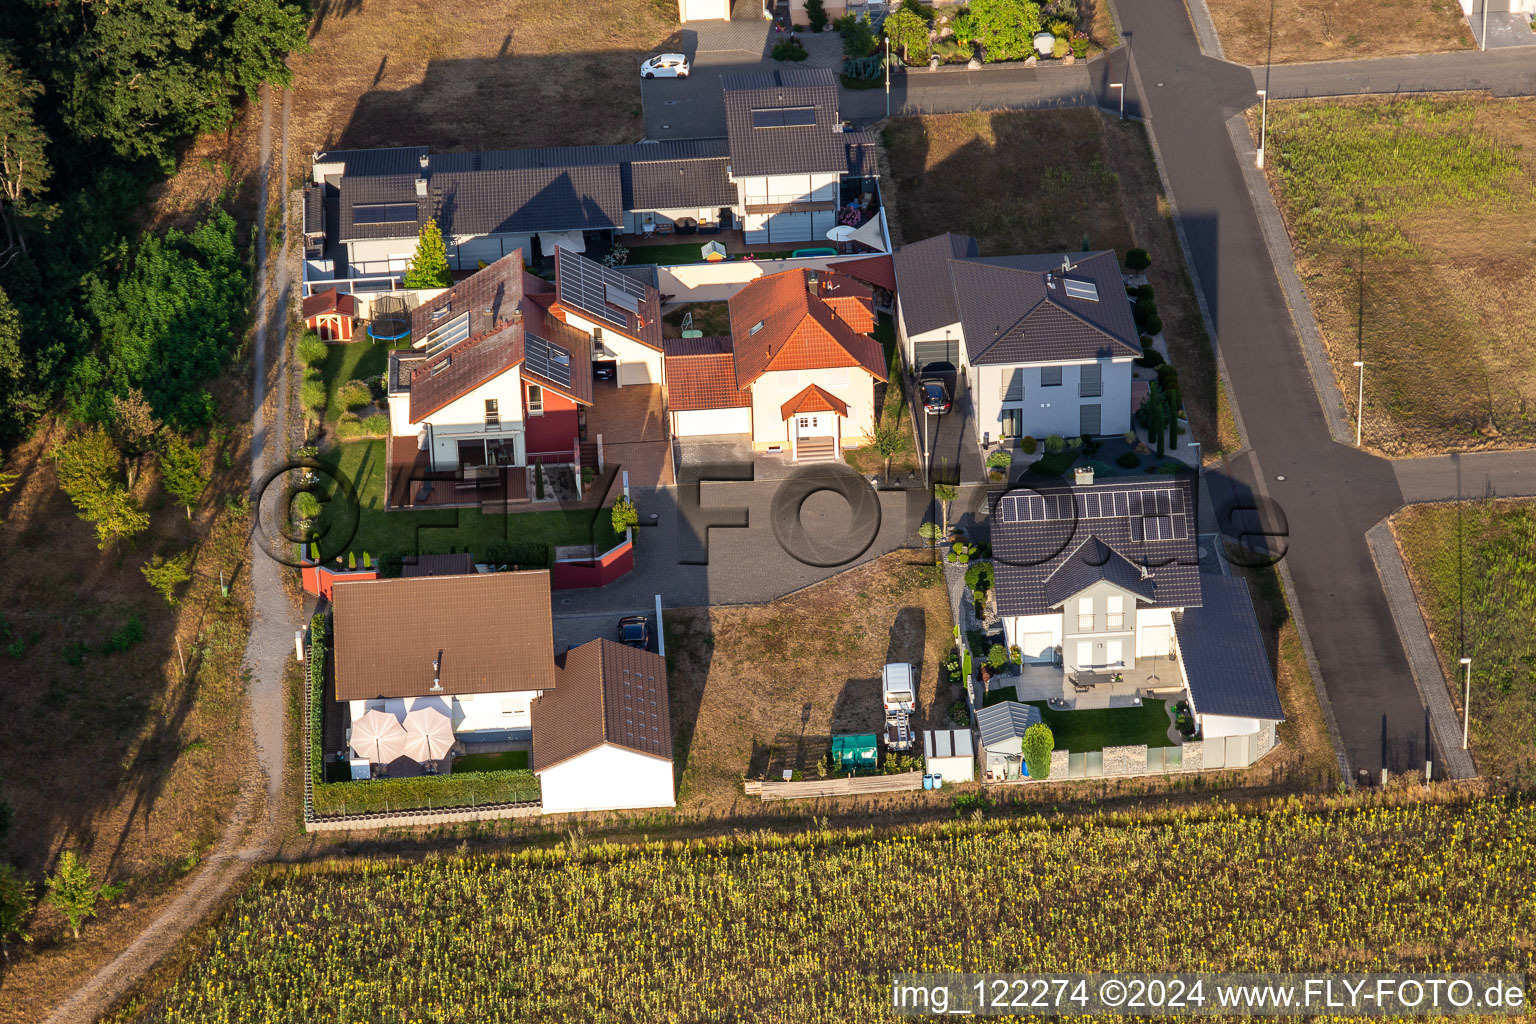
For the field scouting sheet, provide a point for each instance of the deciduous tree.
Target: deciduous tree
(166, 574)
(24, 169)
(624, 515)
(181, 470)
(908, 33)
(946, 493)
(74, 891)
(135, 428)
(890, 440)
(87, 466)
(16, 902)
(1004, 28)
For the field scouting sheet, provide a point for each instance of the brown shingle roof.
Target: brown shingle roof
(489, 296)
(605, 693)
(455, 372)
(329, 301)
(800, 331)
(813, 399)
(701, 374)
(493, 630)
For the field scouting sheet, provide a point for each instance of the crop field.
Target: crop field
(1473, 565)
(808, 927)
(1413, 223)
(1307, 30)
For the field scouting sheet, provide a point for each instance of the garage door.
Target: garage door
(790, 227)
(704, 10)
(474, 251)
(635, 372)
(713, 421)
(935, 355)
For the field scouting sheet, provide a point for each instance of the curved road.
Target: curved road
(1330, 494)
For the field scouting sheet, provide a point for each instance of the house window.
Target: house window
(1084, 654)
(1085, 613)
(492, 413)
(535, 400)
(1090, 419)
(1013, 385)
(1116, 612)
(1012, 422)
(1090, 381)
(1050, 376)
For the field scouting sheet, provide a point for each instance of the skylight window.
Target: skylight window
(440, 366)
(1085, 290)
(756, 327)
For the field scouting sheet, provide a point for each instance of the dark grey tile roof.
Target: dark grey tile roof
(1094, 562)
(801, 149)
(1006, 721)
(1225, 663)
(374, 162)
(863, 154)
(314, 209)
(528, 200)
(923, 286)
(674, 184)
(1035, 530)
(388, 189)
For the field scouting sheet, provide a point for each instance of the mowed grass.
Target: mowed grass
(1047, 181)
(767, 683)
(352, 361)
(1473, 566)
(400, 533)
(1336, 29)
(808, 924)
(1414, 223)
(1097, 728)
(474, 75)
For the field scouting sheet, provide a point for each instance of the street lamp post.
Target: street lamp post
(1466, 703)
(887, 76)
(1263, 123)
(1359, 402)
(1485, 26)
(1121, 87)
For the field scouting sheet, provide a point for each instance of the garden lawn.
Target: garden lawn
(1414, 224)
(1098, 728)
(713, 318)
(1306, 30)
(1473, 566)
(466, 789)
(893, 408)
(382, 533)
(508, 760)
(1057, 181)
(354, 360)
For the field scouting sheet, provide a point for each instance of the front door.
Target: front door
(815, 424)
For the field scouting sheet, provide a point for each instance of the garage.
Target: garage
(635, 372)
(703, 422)
(935, 355)
(704, 10)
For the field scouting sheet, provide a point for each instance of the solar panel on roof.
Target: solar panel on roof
(783, 117)
(548, 361)
(383, 213)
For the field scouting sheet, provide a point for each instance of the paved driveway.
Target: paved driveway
(693, 107)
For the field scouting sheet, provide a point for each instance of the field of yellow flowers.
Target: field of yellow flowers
(809, 927)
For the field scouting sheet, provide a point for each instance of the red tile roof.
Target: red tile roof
(701, 374)
(604, 693)
(455, 372)
(875, 270)
(779, 323)
(329, 301)
(813, 399)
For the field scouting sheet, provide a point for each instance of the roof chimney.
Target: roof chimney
(1083, 476)
(437, 679)
(422, 161)
(421, 187)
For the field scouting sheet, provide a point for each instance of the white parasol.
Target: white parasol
(428, 734)
(842, 233)
(378, 737)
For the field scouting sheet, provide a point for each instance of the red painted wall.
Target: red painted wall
(556, 430)
(594, 573)
(318, 579)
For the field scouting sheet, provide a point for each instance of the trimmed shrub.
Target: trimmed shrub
(1154, 324)
(354, 394)
(1028, 445)
(1128, 460)
(312, 395)
(1136, 260)
(1060, 48)
(1145, 292)
(1039, 741)
(997, 656)
(816, 14)
(1054, 444)
(312, 351)
(1144, 308)
(789, 49)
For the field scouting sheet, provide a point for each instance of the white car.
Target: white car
(665, 65)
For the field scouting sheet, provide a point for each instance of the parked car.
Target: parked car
(665, 65)
(935, 396)
(635, 631)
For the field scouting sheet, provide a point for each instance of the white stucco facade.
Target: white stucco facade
(465, 419)
(607, 778)
(853, 385)
(638, 363)
(1043, 407)
(474, 715)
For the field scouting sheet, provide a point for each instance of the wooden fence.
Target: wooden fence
(904, 782)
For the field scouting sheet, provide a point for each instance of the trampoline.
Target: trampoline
(391, 321)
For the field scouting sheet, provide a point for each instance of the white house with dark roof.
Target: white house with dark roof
(1099, 586)
(618, 312)
(1046, 341)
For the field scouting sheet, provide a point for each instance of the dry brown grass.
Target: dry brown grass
(121, 757)
(474, 75)
(1449, 332)
(1337, 29)
(1042, 181)
(747, 680)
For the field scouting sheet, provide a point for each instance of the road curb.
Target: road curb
(1278, 241)
(1412, 631)
(1205, 29)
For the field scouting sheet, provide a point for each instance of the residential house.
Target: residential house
(778, 173)
(1045, 342)
(492, 379)
(1099, 585)
(1001, 728)
(618, 312)
(477, 646)
(797, 374)
(602, 737)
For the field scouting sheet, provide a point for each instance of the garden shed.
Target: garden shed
(1002, 727)
(950, 754)
(855, 751)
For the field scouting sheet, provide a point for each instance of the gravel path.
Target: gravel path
(249, 836)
